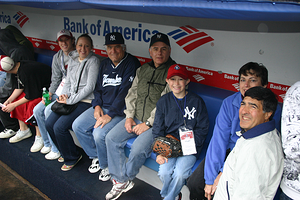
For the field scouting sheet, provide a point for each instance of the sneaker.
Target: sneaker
(104, 175)
(94, 167)
(7, 133)
(118, 189)
(45, 150)
(37, 145)
(69, 167)
(52, 155)
(21, 135)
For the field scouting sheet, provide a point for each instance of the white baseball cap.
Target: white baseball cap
(64, 32)
(6, 63)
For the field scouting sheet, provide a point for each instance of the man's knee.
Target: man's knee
(99, 135)
(111, 139)
(76, 126)
(140, 150)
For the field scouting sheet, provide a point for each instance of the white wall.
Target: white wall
(235, 42)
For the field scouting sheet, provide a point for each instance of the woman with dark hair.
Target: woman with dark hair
(83, 68)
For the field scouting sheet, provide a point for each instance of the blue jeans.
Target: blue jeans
(283, 196)
(41, 113)
(173, 175)
(58, 128)
(93, 140)
(116, 140)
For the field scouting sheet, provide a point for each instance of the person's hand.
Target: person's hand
(161, 160)
(129, 123)
(7, 102)
(102, 121)
(216, 182)
(211, 189)
(43, 101)
(98, 112)
(9, 107)
(140, 128)
(208, 191)
(50, 95)
(62, 99)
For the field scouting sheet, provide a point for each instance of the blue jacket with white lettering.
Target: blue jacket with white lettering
(113, 83)
(169, 117)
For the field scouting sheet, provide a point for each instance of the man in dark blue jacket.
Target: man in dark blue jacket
(115, 78)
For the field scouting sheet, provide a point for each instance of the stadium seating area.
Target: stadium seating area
(74, 185)
(212, 97)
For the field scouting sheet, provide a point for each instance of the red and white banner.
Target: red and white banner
(213, 57)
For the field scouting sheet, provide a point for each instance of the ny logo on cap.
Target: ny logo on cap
(112, 38)
(177, 67)
(158, 36)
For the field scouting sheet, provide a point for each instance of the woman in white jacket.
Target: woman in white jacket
(83, 59)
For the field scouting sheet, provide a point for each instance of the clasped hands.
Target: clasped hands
(132, 127)
(9, 106)
(62, 99)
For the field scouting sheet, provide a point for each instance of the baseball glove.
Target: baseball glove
(168, 146)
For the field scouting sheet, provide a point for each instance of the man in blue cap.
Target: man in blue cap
(114, 79)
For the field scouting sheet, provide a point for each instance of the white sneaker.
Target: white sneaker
(21, 135)
(45, 150)
(118, 189)
(37, 145)
(52, 155)
(7, 133)
(94, 167)
(104, 175)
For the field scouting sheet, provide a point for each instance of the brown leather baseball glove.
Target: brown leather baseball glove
(168, 146)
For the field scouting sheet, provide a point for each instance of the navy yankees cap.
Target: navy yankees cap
(114, 38)
(159, 37)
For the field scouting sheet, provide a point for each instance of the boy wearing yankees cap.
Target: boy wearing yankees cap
(32, 78)
(183, 115)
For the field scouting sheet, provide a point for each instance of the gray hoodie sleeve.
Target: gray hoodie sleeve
(57, 74)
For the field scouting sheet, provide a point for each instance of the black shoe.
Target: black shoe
(179, 197)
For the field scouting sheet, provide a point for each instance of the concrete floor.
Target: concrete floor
(14, 187)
